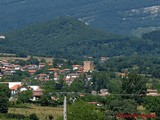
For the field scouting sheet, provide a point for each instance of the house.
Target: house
(15, 89)
(93, 92)
(17, 67)
(56, 76)
(41, 65)
(122, 75)
(93, 103)
(76, 67)
(104, 59)
(72, 76)
(32, 71)
(103, 92)
(33, 87)
(88, 66)
(42, 77)
(53, 70)
(69, 80)
(37, 94)
(8, 71)
(31, 67)
(5, 64)
(65, 71)
(13, 86)
(152, 92)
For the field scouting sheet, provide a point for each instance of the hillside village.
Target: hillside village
(42, 71)
(43, 82)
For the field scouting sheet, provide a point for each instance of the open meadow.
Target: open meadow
(41, 111)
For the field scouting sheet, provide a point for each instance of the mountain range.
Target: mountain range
(67, 37)
(119, 16)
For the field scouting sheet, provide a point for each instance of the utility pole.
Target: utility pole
(65, 109)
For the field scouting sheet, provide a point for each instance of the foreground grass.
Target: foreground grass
(41, 111)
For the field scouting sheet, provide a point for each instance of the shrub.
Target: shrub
(33, 117)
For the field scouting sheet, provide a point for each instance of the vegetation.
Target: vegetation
(111, 15)
(4, 98)
(66, 37)
(41, 112)
(126, 78)
(84, 111)
(134, 86)
(24, 96)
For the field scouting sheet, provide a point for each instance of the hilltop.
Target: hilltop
(70, 38)
(61, 37)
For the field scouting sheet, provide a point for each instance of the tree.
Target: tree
(152, 104)
(123, 106)
(25, 96)
(81, 84)
(51, 117)
(45, 100)
(115, 86)
(134, 86)
(49, 86)
(33, 60)
(100, 80)
(4, 98)
(84, 111)
(33, 117)
(4, 89)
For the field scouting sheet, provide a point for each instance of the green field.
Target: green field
(41, 112)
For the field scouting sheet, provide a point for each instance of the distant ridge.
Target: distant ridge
(120, 16)
(67, 37)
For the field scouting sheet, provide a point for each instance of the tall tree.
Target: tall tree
(100, 80)
(4, 98)
(134, 86)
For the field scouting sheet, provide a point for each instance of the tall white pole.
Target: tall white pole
(65, 109)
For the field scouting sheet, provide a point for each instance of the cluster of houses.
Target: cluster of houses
(7, 68)
(17, 87)
(70, 74)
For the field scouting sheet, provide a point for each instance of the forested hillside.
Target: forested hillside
(154, 36)
(70, 38)
(121, 16)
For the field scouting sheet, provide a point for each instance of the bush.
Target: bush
(51, 117)
(33, 117)
(16, 116)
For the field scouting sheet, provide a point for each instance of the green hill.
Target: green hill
(70, 38)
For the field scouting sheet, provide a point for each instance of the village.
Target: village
(37, 73)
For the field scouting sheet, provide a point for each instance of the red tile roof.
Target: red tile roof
(15, 87)
(42, 74)
(31, 71)
(53, 69)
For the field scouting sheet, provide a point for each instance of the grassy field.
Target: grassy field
(41, 112)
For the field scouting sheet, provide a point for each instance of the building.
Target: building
(88, 66)
(37, 94)
(152, 92)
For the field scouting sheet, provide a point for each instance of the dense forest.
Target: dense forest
(67, 37)
(120, 16)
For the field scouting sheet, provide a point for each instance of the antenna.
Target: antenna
(65, 109)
